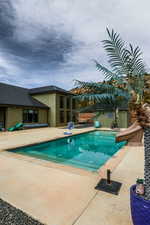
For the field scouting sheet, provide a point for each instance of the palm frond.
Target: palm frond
(136, 62)
(94, 86)
(96, 91)
(98, 98)
(97, 109)
(108, 74)
(122, 60)
(122, 94)
(116, 51)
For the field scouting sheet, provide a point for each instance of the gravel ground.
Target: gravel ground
(9, 215)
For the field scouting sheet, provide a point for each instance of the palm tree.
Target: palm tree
(127, 72)
(127, 67)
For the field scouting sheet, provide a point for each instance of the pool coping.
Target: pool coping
(46, 140)
(54, 139)
(111, 164)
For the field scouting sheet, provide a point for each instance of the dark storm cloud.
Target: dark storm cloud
(46, 42)
(47, 50)
(50, 52)
(6, 16)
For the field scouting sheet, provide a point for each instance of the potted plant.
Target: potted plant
(140, 204)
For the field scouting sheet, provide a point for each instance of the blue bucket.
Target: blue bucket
(97, 124)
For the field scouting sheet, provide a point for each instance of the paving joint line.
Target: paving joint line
(86, 207)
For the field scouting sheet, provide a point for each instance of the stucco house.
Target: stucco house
(49, 105)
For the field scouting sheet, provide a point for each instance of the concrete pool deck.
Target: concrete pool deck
(56, 196)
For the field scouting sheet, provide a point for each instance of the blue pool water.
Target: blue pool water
(88, 151)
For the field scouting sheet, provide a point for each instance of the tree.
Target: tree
(127, 67)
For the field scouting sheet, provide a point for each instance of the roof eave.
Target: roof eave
(51, 92)
(19, 105)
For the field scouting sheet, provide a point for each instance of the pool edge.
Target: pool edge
(109, 164)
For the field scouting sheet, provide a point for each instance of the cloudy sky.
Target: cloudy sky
(53, 42)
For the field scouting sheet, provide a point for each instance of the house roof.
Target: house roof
(14, 95)
(47, 89)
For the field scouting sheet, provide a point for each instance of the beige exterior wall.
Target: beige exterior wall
(123, 119)
(107, 118)
(52, 114)
(50, 101)
(42, 116)
(15, 115)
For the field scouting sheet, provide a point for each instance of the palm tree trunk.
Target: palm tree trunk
(147, 162)
(116, 116)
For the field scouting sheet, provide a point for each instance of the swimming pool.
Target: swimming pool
(88, 150)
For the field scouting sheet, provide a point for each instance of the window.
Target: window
(68, 116)
(68, 102)
(61, 101)
(73, 103)
(30, 116)
(2, 117)
(62, 117)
